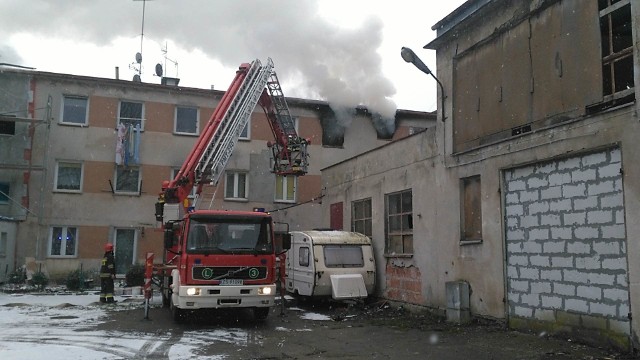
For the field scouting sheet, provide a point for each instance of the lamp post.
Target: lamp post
(409, 56)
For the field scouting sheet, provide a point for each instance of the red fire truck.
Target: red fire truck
(226, 259)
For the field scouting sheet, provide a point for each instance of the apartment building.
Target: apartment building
(82, 160)
(522, 203)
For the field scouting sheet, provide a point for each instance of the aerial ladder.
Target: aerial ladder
(253, 84)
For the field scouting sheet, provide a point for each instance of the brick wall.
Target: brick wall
(404, 284)
(566, 242)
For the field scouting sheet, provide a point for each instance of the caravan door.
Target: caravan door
(300, 266)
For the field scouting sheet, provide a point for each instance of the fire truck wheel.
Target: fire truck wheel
(261, 313)
(176, 313)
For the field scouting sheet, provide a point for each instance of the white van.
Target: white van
(332, 263)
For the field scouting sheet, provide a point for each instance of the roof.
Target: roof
(335, 237)
(463, 12)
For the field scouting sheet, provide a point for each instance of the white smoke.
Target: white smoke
(334, 64)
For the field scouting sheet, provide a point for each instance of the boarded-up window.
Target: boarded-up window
(335, 216)
(471, 214)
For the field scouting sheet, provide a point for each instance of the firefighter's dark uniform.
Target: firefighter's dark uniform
(107, 274)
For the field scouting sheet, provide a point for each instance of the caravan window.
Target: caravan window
(343, 256)
(304, 256)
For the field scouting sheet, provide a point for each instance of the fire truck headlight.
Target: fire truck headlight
(264, 291)
(193, 291)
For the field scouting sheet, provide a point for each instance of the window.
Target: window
(131, 113)
(285, 188)
(246, 132)
(399, 224)
(7, 127)
(186, 120)
(124, 249)
(303, 256)
(361, 217)
(68, 176)
(174, 172)
(127, 179)
(471, 214)
(4, 240)
(4, 192)
(235, 185)
(617, 48)
(343, 256)
(74, 110)
(63, 241)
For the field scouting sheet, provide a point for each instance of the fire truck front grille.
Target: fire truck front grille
(229, 272)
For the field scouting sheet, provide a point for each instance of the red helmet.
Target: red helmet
(108, 247)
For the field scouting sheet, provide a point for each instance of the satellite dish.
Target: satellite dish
(138, 58)
(136, 78)
(159, 69)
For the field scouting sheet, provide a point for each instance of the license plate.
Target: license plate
(231, 282)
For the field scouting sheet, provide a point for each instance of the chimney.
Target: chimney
(117, 73)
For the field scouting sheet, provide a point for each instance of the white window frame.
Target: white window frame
(57, 174)
(247, 127)
(236, 188)
(285, 186)
(64, 230)
(86, 110)
(175, 121)
(115, 182)
(131, 120)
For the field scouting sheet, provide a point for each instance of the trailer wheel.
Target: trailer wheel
(261, 313)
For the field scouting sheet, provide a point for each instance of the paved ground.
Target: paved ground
(336, 331)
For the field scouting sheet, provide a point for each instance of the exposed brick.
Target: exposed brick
(538, 260)
(514, 247)
(623, 311)
(544, 315)
(569, 191)
(570, 163)
(551, 302)
(559, 179)
(606, 248)
(619, 217)
(583, 175)
(616, 155)
(602, 309)
(565, 233)
(550, 220)
(518, 260)
(585, 232)
(540, 288)
(512, 198)
(519, 285)
(578, 218)
(516, 234)
(601, 279)
(514, 210)
(517, 185)
(529, 273)
(546, 168)
(512, 222)
(564, 289)
(590, 263)
(530, 299)
(595, 158)
(616, 294)
(620, 326)
(589, 292)
(538, 234)
(590, 202)
(613, 232)
(600, 188)
(599, 217)
(560, 205)
(536, 182)
(512, 272)
(553, 246)
(538, 207)
(576, 247)
(576, 305)
(614, 264)
(553, 275)
(528, 221)
(532, 247)
(562, 262)
(553, 192)
(575, 276)
(527, 196)
(523, 311)
(608, 171)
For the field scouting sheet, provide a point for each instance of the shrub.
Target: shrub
(39, 280)
(135, 275)
(75, 280)
(19, 276)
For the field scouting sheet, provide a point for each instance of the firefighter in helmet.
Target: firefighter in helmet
(107, 275)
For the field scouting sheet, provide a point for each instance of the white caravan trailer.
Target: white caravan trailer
(332, 263)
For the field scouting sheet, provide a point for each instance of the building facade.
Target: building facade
(82, 161)
(527, 191)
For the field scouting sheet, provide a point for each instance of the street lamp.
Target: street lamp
(409, 56)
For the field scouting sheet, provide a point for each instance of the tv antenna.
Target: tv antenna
(137, 66)
(166, 58)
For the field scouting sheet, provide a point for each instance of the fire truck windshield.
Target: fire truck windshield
(222, 236)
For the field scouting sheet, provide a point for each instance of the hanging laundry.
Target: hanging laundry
(136, 145)
(120, 136)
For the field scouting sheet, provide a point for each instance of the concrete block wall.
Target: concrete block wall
(566, 242)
